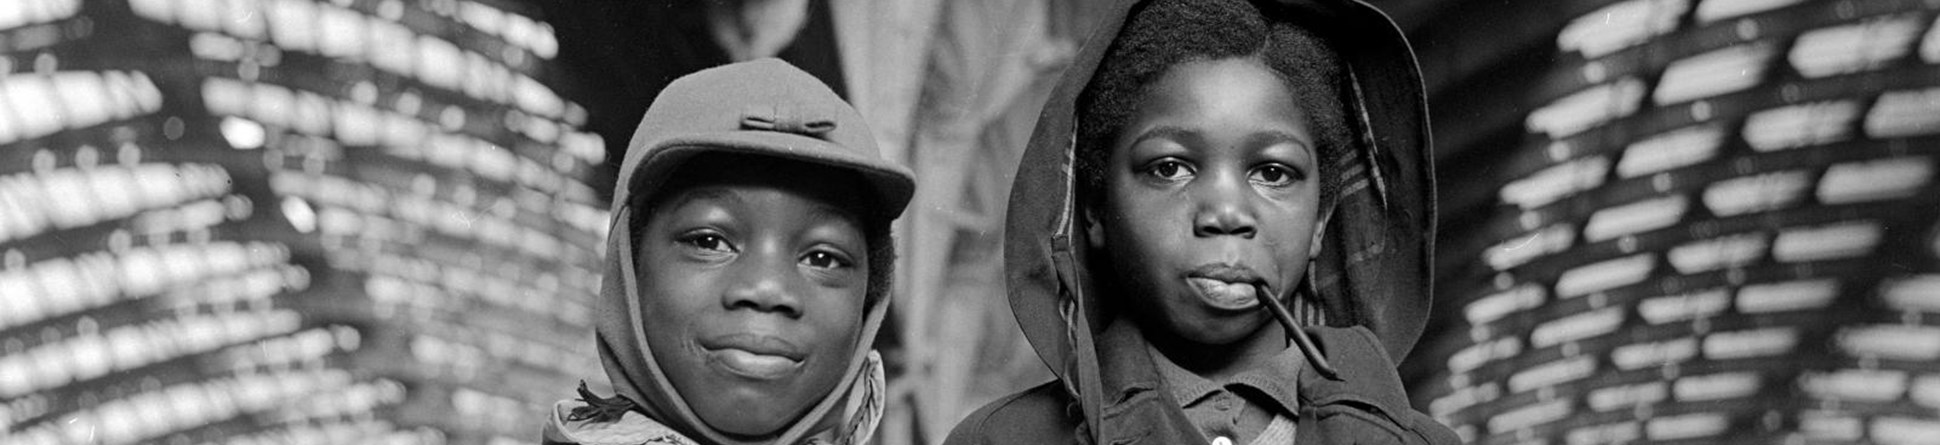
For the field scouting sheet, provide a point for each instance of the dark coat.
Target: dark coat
(1372, 273)
(1365, 406)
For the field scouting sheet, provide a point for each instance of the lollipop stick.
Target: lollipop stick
(1299, 337)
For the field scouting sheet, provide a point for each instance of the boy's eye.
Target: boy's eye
(1275, 175)
(1169, 169)
(708, 241)
(825, 260)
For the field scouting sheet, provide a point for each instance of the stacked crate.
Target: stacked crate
(1718, 227)
(289, 221)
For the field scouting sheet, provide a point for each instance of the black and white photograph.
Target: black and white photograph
(969, 222)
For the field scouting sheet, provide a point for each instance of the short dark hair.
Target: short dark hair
(1164, 33)
(876, 232)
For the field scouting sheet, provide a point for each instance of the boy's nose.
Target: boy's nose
(1223, 210)
(764, 286)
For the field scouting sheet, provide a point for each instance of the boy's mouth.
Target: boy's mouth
(753, 356)
(1227, 287)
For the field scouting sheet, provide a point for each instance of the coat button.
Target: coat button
(1222, 440)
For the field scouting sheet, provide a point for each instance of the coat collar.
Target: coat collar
(1137, 410)
(1275, 380)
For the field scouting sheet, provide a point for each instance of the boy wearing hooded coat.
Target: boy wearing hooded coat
(705, 339)
(1365, 294)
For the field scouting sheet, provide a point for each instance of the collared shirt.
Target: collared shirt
(1236, 410)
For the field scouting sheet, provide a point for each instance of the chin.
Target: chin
(740, 417)
(740, 408)
(1220, 331)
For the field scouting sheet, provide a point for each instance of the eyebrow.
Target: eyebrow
(1270, 137)
(822, 212)
(1257, 139)
(696, 194)
(1170, 132)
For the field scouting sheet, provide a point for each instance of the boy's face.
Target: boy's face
(753, 278)
(1211, 194)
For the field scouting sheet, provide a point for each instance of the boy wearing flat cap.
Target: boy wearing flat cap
(748, 269)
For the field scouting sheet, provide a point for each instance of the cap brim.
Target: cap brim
(892, 184)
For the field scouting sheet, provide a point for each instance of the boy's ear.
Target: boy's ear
(1320, 233)
(1094, 232)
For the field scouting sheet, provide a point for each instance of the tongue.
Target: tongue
(1227, 295)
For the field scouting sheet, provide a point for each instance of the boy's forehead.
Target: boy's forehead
(1234, 97)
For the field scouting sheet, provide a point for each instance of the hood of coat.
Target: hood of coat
(1374, 266)
(761, 108)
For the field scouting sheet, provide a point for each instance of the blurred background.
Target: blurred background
(377, 221)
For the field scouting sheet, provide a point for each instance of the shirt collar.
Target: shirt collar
(1278, 380)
